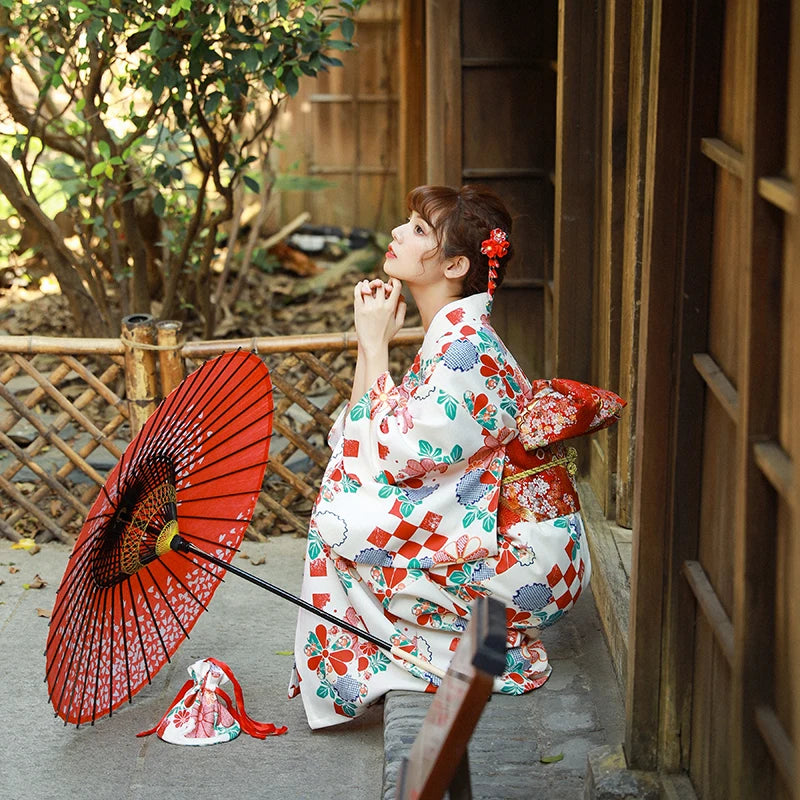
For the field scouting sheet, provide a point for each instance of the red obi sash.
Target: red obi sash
(538, 475)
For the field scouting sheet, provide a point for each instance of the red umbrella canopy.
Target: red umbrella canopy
(130, 595)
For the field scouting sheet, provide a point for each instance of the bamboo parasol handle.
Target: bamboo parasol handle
(182, 545)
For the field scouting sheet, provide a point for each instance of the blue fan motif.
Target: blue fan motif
(470, 489)
(533, 596)
(461, 356)
(374, 556)
(482, 572)
(347, 688)
(418, 495)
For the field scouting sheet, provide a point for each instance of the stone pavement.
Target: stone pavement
(250, 629)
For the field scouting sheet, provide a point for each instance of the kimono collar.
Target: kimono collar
(466, 312)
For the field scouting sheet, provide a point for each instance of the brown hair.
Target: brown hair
(462, 220)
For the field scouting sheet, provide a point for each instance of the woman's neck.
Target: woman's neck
(433, 298)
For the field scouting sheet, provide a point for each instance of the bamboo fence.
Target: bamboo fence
(69, 407)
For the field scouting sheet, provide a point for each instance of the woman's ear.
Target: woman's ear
(457, 268)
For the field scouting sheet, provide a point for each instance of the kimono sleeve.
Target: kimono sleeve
(562, 409)
(396, 434)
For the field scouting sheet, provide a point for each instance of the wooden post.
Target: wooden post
(443, 91)
(573, 247)
(141, 384)
(169, 359)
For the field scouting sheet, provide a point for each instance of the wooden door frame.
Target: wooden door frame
(677, 207)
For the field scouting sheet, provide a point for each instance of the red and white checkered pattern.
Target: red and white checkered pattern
(566, 585)
(400, 539)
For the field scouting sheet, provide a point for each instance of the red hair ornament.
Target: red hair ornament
(496, 246)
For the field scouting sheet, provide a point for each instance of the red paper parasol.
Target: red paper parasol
(133, 587)
(160, 537)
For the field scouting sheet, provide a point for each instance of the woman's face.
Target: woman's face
(411, 256)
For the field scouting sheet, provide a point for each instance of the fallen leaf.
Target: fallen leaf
(244, 555)
(284, 652)
(552, 759)
(26, 543)
(13, 570)
(257, 562)
(36, 583)
(44, 612)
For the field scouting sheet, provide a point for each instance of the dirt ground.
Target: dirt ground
(278, 303)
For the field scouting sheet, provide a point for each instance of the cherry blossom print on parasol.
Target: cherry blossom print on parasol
(159, 537)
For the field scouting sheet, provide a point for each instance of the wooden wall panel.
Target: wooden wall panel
(345, 128)
(723, 341)
(573, 238)
(610, 216)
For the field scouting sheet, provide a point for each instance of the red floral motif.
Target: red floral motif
(335, 656)
(416, 469)
(182, 716)
(393, 582)
(505, 560)
(504, 373)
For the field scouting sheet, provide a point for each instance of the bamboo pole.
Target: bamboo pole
(9, 419)
(33, 345)
(282, 344)
(169, 358)
(70, 408)
(47, 433)
(40, 473)
(43, 519)
(8, 531)
(140, 368)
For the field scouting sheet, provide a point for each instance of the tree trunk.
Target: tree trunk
(86, 316)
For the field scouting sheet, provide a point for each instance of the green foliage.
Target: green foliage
(163, 109)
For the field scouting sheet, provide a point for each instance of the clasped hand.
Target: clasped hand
(379, 310)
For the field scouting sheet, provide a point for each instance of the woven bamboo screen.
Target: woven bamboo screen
(69, 407)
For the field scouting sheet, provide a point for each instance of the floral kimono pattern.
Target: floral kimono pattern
(410, 524)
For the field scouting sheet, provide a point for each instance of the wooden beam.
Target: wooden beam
(723, 155)
(712, 608)
(638, 97)
(573, 246)
(718, 382)
(755, 551)
(791, 345)
(778, 742)
(412, 95)
(443, 113)
(780, 192)
(657, 589)
(776, 465)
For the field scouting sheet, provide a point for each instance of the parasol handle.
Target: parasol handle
(180, 544)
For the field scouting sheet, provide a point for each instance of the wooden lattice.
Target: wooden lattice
(68, 409)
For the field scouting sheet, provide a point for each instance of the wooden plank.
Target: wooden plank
(610, 237)
(712, 608)
(412, 99)
(443, 111)
(767, 27)
(660, 297)
(718, 382)
(780, 192)
(486, 173)
(791, 410)
(573, 239)
(702, 49)
(441, 744)
(776, 465)
(723, 155)
(638, 91)
(778, 743)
